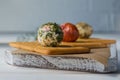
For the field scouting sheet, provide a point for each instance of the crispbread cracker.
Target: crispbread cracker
(35, 47)
(97, 40)
(90, 45)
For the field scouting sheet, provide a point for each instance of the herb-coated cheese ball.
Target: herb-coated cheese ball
(50, 35)
(85, 30)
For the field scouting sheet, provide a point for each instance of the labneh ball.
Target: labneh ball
(50, 35)
(85, 30)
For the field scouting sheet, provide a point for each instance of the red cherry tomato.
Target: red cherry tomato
(70, 32)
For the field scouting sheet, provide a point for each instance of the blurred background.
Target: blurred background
(20, 19)
(25, 16)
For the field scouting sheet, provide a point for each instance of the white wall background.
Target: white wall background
(27, 15)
